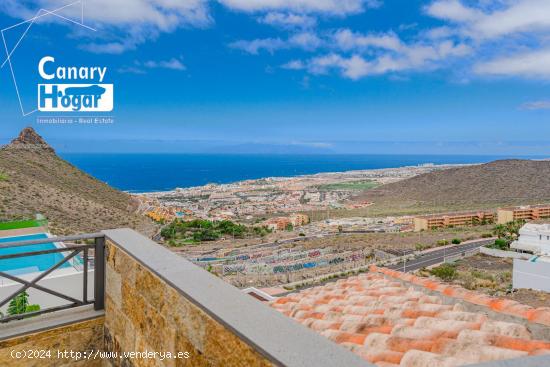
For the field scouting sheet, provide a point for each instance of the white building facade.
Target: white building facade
(535, 272)
(533, 238)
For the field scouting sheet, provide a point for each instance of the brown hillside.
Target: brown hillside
(497, 183)
(33, 179)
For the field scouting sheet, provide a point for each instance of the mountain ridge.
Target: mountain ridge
(35, 180)
(500, 182)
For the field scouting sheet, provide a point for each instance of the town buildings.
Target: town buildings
(276, 195)
(282, 223)
(530, 212)
(298, 220)
(427, 222)
(277, 223)
(503, 216)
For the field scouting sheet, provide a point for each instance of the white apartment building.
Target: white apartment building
(533, 238)
(535, 272)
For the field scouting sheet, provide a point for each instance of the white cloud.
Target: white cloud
(127, 23)
(172, 64)
(511, 35)
(288, 20)
(164, 15)
(534, 64)
(396, 56)
(348, 40)
(372, 54)
(130, 70)
(139, 67)
(115, 48)
(452, 10)
(353, 67)
(523, 16)
(509, 18)
(305, 40)
(294, 65)
(333, 7)
(537, 105)
(443, 32)
(255, 46)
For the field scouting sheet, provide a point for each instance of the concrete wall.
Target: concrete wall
(504, 254)
(531, 275)
(81, 336)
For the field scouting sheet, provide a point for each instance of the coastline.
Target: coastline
(342, 176)
(152, 173)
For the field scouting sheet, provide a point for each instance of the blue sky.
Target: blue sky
(441, 76)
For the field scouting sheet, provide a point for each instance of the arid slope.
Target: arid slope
(33, 179)
(503, 182)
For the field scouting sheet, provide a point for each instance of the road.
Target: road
(438, 256)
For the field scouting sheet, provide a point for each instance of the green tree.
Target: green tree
(501, 244)
(499, 230)
(509, 230)
(20, 305)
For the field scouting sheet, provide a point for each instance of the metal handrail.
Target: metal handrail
(90, 236)
(74, 250)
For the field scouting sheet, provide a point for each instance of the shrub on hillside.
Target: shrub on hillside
(501, 244)
(456, 241)
(446, 272)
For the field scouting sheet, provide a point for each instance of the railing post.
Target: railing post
(99, 274)
(85, 277)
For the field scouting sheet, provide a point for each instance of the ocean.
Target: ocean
(162, 172)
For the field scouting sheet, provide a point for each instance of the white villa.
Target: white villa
(533, 238)
(535, 272)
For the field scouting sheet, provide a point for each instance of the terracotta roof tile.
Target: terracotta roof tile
(390, 323)
(540, 315)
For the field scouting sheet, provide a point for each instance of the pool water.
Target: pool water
(29, 264)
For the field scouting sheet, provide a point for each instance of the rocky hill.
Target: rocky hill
(493, 184)
(33, 179)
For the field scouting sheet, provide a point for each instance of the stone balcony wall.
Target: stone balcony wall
(82, 336)
(144, 313)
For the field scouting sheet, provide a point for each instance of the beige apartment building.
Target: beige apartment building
(281, 223)
(298, 220)
(529, 212)
(451, 219)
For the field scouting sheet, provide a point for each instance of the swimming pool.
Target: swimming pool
(30, 264)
